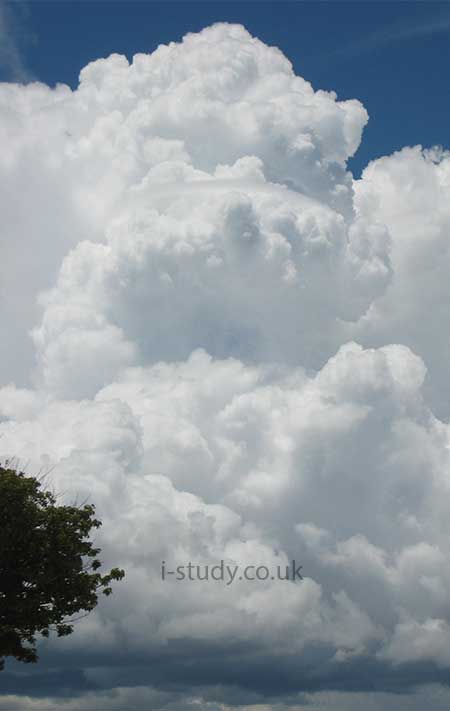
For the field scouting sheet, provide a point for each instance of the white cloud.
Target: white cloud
(196, 268)
(408, 192)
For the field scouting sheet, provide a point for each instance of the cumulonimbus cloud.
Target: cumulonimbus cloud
(238, 353)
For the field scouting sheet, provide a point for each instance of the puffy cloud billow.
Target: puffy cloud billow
(238, 353)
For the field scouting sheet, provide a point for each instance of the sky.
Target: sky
(387, 54)
(234, 347)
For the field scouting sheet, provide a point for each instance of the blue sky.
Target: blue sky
(391, 55)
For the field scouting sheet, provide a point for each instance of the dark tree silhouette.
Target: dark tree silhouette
(49, 569)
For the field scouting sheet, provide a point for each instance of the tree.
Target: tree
(49, 569)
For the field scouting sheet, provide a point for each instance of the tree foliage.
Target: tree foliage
(49, 569)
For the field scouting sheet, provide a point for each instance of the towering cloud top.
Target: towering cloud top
(225, 95)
